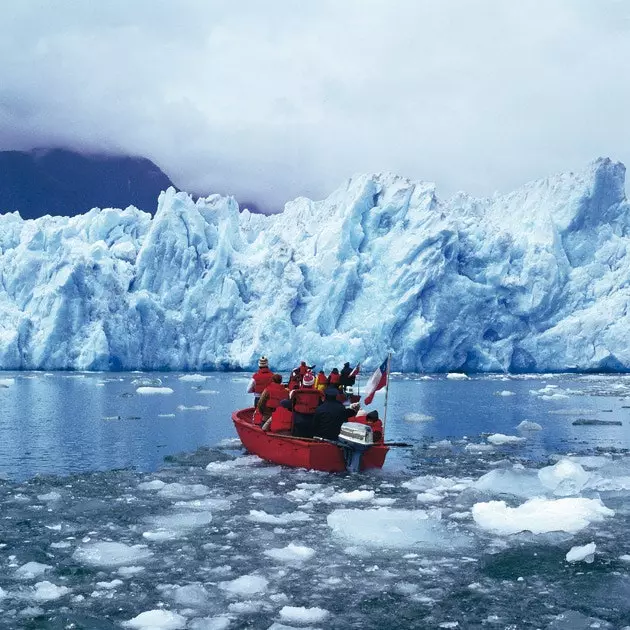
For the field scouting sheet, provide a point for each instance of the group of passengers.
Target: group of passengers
(307, 406)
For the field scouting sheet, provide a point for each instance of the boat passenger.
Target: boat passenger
(334, 378)
(270, 399)
(348, 376)
(372, 420)
(321, 382)
(331, 414)
(282, 418)
(260, 379)
(304, 402)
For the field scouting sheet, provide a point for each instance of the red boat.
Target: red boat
(312, 453)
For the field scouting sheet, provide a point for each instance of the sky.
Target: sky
(271, 100)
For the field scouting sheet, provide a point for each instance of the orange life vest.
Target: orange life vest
(306, 399)
(281, 419)
(262, 378)
(333, 379)
(321, 381)
(277, 392)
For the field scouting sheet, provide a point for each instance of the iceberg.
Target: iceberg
(534, 280)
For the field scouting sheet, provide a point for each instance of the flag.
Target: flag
(377, 381)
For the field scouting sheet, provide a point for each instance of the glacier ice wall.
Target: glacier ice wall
(535, 280)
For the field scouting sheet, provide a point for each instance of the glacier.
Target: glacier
(535, 280)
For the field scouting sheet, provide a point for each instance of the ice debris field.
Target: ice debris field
(490, 530)
(535, 280)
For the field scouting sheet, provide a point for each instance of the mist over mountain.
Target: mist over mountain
(63, 182)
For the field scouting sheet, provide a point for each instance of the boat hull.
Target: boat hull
(296, 452)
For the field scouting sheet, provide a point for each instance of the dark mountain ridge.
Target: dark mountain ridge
(63, 182)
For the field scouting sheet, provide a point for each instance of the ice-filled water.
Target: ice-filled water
(127, 510)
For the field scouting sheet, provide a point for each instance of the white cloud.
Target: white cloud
(271, 100)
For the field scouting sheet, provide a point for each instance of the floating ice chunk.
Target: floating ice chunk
(60, 545)
(193, 408)
(50, 496)
(564, 478)
(291, 553)
(479, 448)
(505, 392)
(146, 382)
(193, 378)
(584, 552)
(205, 504)
(145, 391)
(173, 526)
(210, 623)
(166, 415)
(457, 376)
(384, 501)
(7, 382)
(625, 558)
(245, 585)
(183, 491)
(229, 443)
(393, 528)
(156, 620)
(355, 496)
(130, 571)
(260, 516)
(500, 438)
(417, 417)
(191, 595)
(3, 593)
(245, 608)
(430, 482)
(526, 425)
(209, 391)
(111, 554)
(31, 570)
(236, 465)
(110, 586)
(156, 484)
(300, 614)
(47, 591)
(515, 481)
(540, 515)
(429, 497)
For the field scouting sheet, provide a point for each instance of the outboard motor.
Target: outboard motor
(355, 438)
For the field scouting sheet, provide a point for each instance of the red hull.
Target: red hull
(299, 452)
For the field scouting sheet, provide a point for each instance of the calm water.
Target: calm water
(64, 423)
(141, 511)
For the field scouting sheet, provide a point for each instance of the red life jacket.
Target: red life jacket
(333, 379)
(277, 392)
(262, 378)
(258, 418)
(377, 427)
(303, 369)
(321, 380)
(281, 420)
(306, 399)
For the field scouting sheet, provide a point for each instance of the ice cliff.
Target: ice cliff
(535, 280)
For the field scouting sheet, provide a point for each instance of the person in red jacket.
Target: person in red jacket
(304, 402)
(260, 379)
(321, 382)
(334, 378)
(274, 393)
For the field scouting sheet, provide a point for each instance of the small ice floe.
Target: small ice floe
(504, 392)
(156, 620)
(260, 516)
(221, 622)
(564, 478)
(193, 408)
(208, 391)
(31, 570)
(417, 417)
(183, 491)
(595, 422)
(300, 614)
(479, 448)
(355, 496)
(291, 553)
(228, 443)
(156, 484)
(527, 425)
(166, 415)
(7, 382)
(47, 591)
(110, 586)
(150, 391)
(625, 558)
(245, 585)
(191, 595)
(516, 481)
(130, 571)
(172, 526)
(540, 516)
(193, 378)
(205, 504)
(500, 439)
(146, 382)
(49, 496)
(111, 554)
(457, 376)
(235, 466)
(394, 529)
(584, 553)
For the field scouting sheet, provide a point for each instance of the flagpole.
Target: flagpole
(389, 361)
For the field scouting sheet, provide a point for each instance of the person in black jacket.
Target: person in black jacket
(331, 414)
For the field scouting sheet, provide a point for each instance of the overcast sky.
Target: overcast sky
(275, 99)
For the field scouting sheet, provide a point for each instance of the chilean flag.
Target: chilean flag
(377, 381)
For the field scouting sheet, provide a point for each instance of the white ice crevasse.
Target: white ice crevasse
(534, 280)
